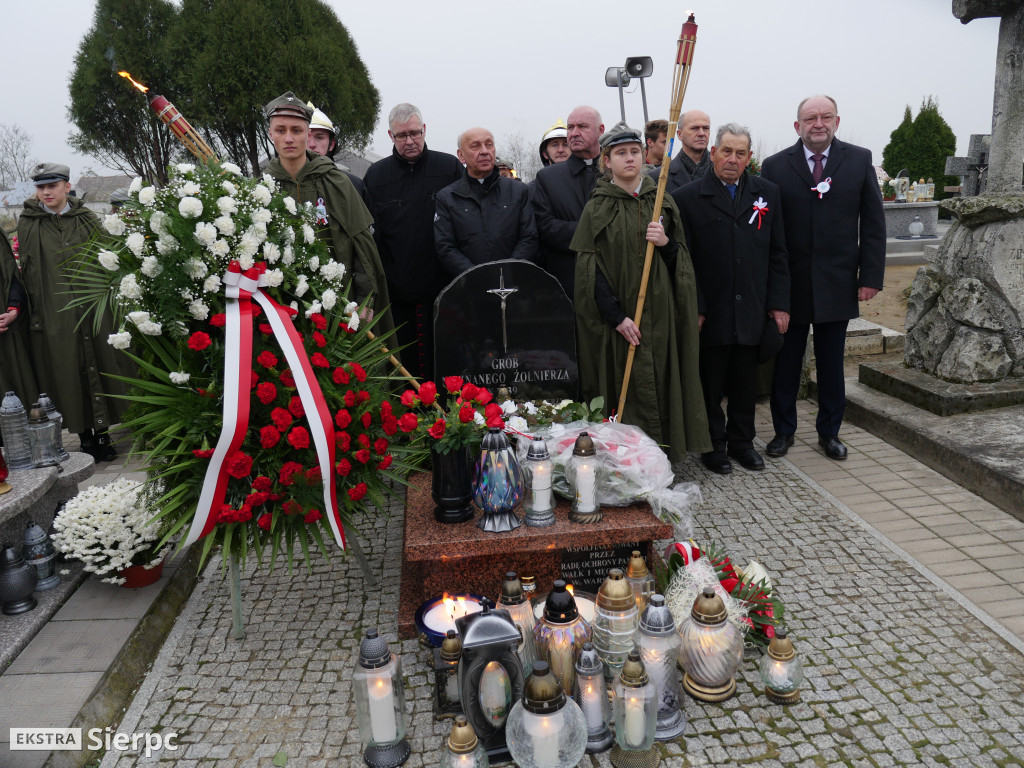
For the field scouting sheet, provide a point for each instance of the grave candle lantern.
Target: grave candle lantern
(711, 649)
(497, 483)
(380, 703)
(17, 582)
(520, 609)
(436, 616)
(546, 729)
(58, 419)
(616, 621)
(583, 472)
(40, 554)
(636, 714)
(462, 749)
(591, 693)
(640, 579)
(14, 425)
(560, 634)
(446, 675)
(539, 502)
(781, 670)
(42, 437)
(658, 643)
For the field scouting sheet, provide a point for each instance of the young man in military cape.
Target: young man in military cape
(309, 178)
(69, 357)
(16, 371)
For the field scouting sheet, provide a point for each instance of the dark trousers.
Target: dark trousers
(729, 371)
(415, 328)
(829, 351)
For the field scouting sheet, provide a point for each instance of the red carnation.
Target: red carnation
(281, 418)
(313, 476)
(385, 462)
(466, 413)
(437, 431)
(385, 409)
(483, 396)
(269, 437)
(256, 499)
(266, 330)
(409, 398)
(357, 371)
(295, 406)
(199, 341)
(428, 392)
(318, 320)
(340, 377)
(350, 399)
(408, 422)
(343, 440)
(390, 425)
(238, 464)
(453, 383)
(364, 440)
(253, 378)
(262, 483)
(367, 419)
(256, 310)
(292, 507)
(299, 438)
(469, 391)
(319, 361)
(363, 396)
(343, 418)
(362, 456)
(267, 359)
(266, 392)
(319, 339)
(264, 521)
(380, 445)
(312, 516)
(288, 471)
(343, 467)
(358, 492)
(201, 454)
(219, 320)
(286, 377)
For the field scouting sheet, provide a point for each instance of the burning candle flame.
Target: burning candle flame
(568, 588)
(138, 85)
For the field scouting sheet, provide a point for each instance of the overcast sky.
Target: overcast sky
(517, 68)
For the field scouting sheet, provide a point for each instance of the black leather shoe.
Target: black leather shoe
(833, 446)
(779, 446)
(105, 450)
(748, 458)
(717, 461)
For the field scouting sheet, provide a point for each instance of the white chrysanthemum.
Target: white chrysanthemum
(199, 310)
(113, 224)
(157, 222)
(307, 234)
(262, 215)
(148, 195)
(225, 224)
(261, 194)
(109, 260)
(230, 188)
(350, 308)
(289, 204)
(246, 262)
(271, 252)
(190, 207)
(150, 328)
(166, 245)
(129, 287)
(220, 249)
(289, 255)
(135, 186)
(179, 377)
(353, 322)
(302, 286)
(151, 266)
(185, 167)
(227, 205)
(274, 277)
(138, 316)
(212, 283)
(314, 263)
(517, 424)
(136, 243)
(231, 168)
(329, 298)
(119, 340)
(196, 269)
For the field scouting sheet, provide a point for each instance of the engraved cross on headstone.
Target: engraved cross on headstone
(503, 293)
(1006, 159)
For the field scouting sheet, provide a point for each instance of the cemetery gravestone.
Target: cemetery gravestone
(508, 324)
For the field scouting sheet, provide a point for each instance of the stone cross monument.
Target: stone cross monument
(965, 316)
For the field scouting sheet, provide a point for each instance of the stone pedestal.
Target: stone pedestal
(36, 493)
(438, 558)
(899, 215)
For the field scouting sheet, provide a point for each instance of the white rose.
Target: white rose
(196, 269)
(289, 255)
(261, 194)
(199, 310)
(136, 243)
(330, 298)
(508, 407)
(531, 409)
(230, 188)
(262, 215)
(220, 249)
(138, 317)
(302, 286)
(119, 340)
(271, 253)
(225, 224)
(166, 245)
(227, 205)
(148, 195)
(307, 234)
(517, 424)
(129, 287)
(231, 168)
(314, 263)
(179, 378)
(108, 260)
(212, 283)
(274, 277)
(289, 205)
(185, 167)
(150, 328)
(151, 267)
(190, 207)
(113, 224)
(135, 186)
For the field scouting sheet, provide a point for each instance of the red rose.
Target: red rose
(428, 392)
(269, 437)
(496, 422)
(358, 492)
(390, 425)
(380, 445)
(267, 359)
(312, 476)
(199, 341)
(469, 390)
(453, 383)
(362, 456)
(281, 418)
(298, 438)
(466, 413)
(343, 467)
(319, 321)
(437, 431)
(385, 462)
(266, 330)
(491, 410)
(385, 409)
(350, 399)
(288, 471)
(483, 396)
(363, 396)
(364, 440)
(312, 516)
(295, 406)
(200, 454)
(408, 422)
(264, 521)
(319, 360)
(343, 418)
(238, 464)
(343, 440)
(219, 320)
(340, 377)
(367, 420)
(357, 371)
(409, 398)
(286, 378)
(262, 483)
(266, 392)
(292, 507)
(319, 339)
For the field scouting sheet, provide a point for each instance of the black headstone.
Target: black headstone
(586, 568)
(508, 324)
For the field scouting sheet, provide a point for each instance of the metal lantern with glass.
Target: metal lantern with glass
(539, 499)
(462, 748)
(14, 427)
(640, 579)
(781, 670)
(658, 643)
(560, 634)
(42, 437)
(446, 675)
(513, 600)
(58, 419)
(40, 554)
(635, 712)
(591, 693)
(546, 729)
(615, 621)
(583, 472)
(711, 649)
(380, 703)
(497, 483)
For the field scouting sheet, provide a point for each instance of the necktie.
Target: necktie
(819, 170)
(732, 190)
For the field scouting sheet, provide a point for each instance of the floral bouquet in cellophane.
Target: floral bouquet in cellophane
(262, 405)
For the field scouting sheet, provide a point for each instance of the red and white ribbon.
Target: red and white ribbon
(760, 209)
(241, 288)
(822, 187)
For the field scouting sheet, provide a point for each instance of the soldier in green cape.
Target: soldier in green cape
(16, 372)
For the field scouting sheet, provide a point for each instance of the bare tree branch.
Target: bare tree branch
(16, 159)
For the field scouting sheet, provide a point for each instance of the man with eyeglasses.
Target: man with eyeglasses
(835, 236)
(692, 159)
(402, 189)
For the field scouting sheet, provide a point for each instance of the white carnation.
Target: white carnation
(314, 263)
(129, 287)
(166, 245)
(196, 269)
(231, 168)
(332, 271)
(271, 253)
(227, 205)
(119, 340)
(190, 207)
(136, 243)
(113, 224)
(179, 377)
(212, 283)
(148, 195)
(246, 262)
(157, 222)
(269, 181)
(289, 255)
(353, 322)
(289, 235)
(314, 309)
(260, 229)
(350, 308)
(185, 167)
(261, 194)
(225, 224)
(138, 317)
(273, 277)
(301, 287)
(135, 186)
(248, 245)
(230, 188)
(289, 204)
(199, 310)
(109, 260)
(329, 298)
(262, 215)
(151, 267)
(531, 409)
(307, 234)
(220, 249)
(150, 328)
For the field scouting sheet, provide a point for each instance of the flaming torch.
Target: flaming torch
(684, 58)
(173, 119)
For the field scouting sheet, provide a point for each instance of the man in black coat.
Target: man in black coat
(734, 230)
(401, 191)
(692, 160)
(560, 192)
(483, 217)
(835, 235)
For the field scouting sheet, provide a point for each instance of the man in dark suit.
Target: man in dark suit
(835, 235)
(692, 160)
(734, 230)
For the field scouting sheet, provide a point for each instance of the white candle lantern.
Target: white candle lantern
(560, 634)
(380, 703)
(462, 748)
(711, 649)
(446, 675)
(520, 609)
(591, 693)
(658, 643)
(546, 729)
(781, 670)
(584, 474)
(615, 622)
(640, 579)
(539, 501)
(635, 712)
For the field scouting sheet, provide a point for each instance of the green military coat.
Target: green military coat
(69, 358)
(665, 398)
(16, 372)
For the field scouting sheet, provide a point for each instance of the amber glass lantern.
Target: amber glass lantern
(514, 601)
(640, 579)
(560, 634)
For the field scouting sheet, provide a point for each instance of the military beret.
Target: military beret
(47, 173)
(288, 105)
(620, 133)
